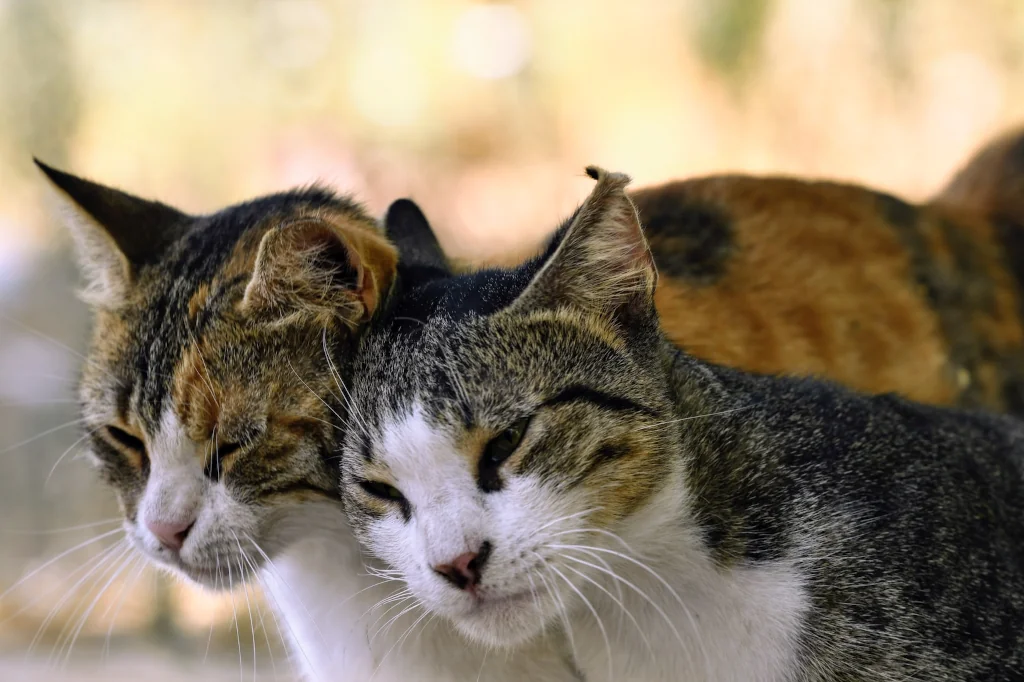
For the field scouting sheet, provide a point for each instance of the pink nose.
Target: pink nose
(464, 570)
(170, 534)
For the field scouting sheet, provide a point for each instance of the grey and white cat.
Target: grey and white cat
(527, 452)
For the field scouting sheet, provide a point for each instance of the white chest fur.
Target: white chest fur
(694, 621)
(325, 599)
(742, 629)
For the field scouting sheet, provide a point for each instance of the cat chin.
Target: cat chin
(501, 626)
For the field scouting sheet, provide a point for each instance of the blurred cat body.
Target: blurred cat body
(787, 276)
(546, 458)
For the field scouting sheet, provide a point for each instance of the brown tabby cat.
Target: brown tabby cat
(779, 275)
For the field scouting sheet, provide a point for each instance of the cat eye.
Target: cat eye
(382, 491)
(505, 443)
(227, 449)
(126, 440)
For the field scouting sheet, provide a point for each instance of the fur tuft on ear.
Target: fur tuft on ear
(600, 261)
(115, 233)
(325, 271)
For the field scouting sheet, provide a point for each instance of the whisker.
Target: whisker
(599, 531)
(273, 569)
(383, 629)
(45, 337)
(636, 589)
(259, 611)
(55, 531)
(315, 394)
(400, 639)
(60, 556)
(216, 586)
(125, 589)
(248, 606)
(562, 611)
(567, 517)
(45, 433)
(205, 374)
(346, 396)
(536, 603)
(38, 403)
(66, 452)
(125, 560)
(356, 594)
(234, 620)
(100, 565)
(619, 602)
(590, 607)
(696, 416)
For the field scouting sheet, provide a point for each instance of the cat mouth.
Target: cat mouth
(485, 605)
(222, 575)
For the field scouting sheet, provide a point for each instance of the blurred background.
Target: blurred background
(484, 112)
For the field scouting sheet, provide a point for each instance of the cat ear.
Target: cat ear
(315, 268)
(114, 233)
(599, 261)
(409, 230)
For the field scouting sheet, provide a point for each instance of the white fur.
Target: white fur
(178, 492)
(319, 587)
(316, 581)
(738, 624)
(104, 267)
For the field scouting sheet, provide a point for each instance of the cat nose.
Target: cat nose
(464, 570)
(171, 534)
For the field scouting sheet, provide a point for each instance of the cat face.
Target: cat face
(485, 442)
(211, 392)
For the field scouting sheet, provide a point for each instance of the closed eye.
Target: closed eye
(215, 465)
(497, 450)
(382, 491)
(126, 440)
(228, 449)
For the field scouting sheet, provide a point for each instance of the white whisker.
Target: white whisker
(55, 531)
(45, 433)
(63, 554)
(590, 607)
(125, 590)
(695, 416)
(125, 561)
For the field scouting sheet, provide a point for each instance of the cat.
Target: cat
(188, 315)
(213, 403)
(783, 275)
(527, 451)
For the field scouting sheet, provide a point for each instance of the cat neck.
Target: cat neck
(700, 617)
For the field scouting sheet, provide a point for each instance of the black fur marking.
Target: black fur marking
(605, 454)
(1011, 239)
(689, 241)
(952, 293)
(577, 393)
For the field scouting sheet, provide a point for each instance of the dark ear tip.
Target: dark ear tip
(403, 207)
(49, 170)
(594, 172)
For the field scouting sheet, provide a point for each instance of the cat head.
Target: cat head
(505, 415)
(210, 393)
